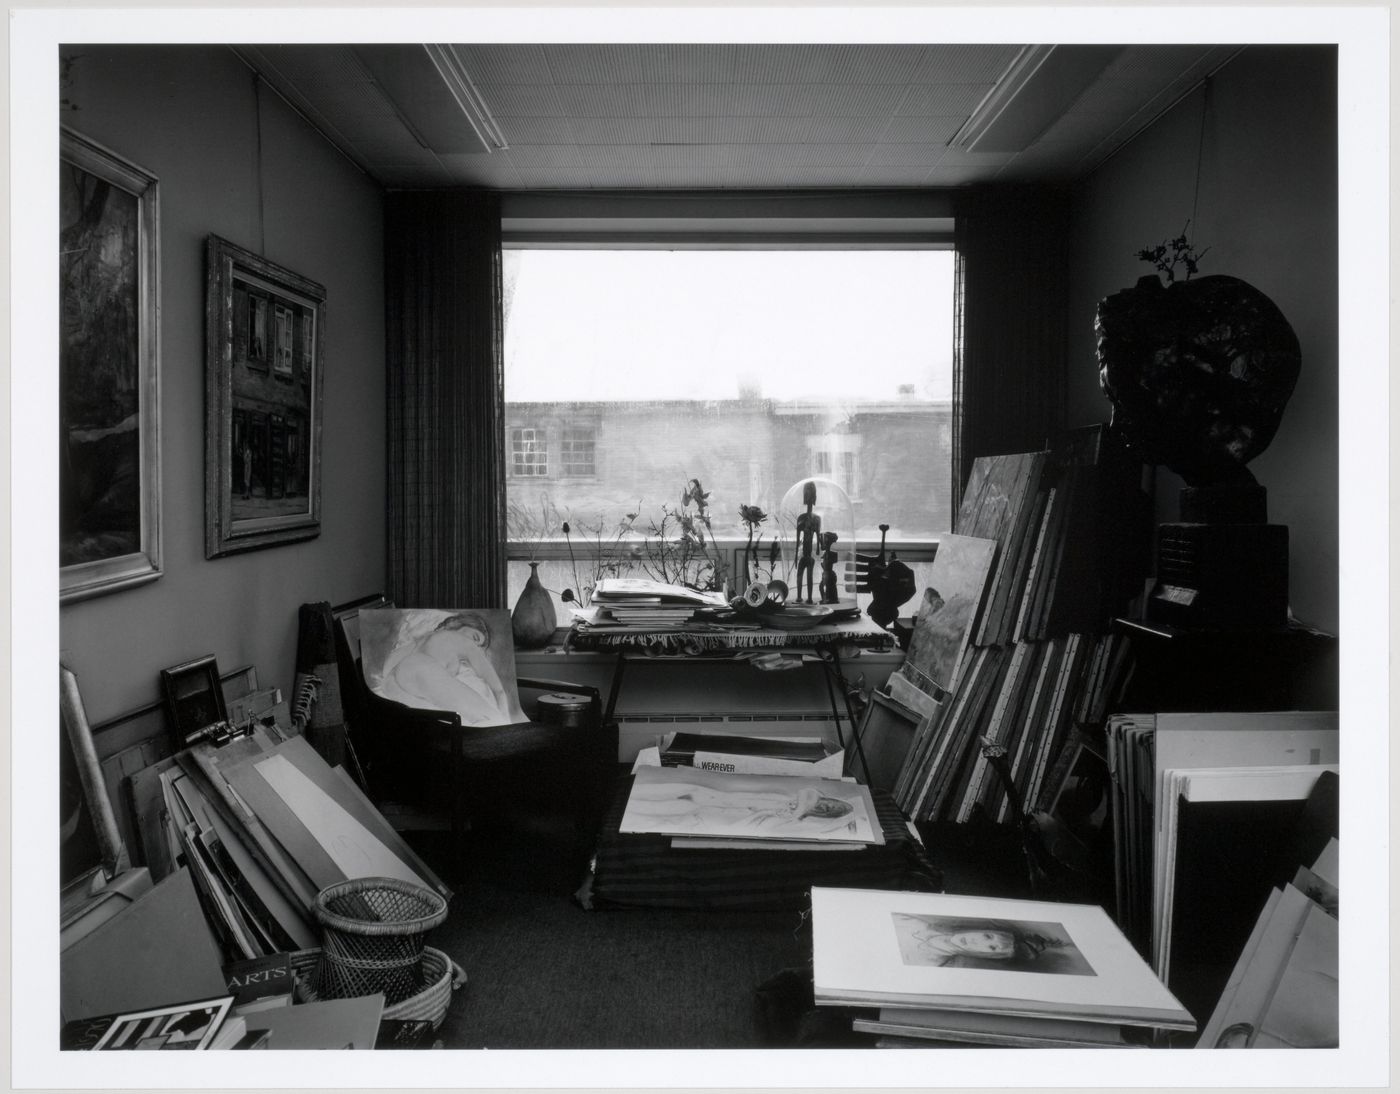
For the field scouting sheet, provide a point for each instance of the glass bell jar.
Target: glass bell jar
(816, 526)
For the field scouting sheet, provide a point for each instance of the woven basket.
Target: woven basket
(441, 975)
(372, 934)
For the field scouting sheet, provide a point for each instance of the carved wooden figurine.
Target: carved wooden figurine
(828, 586)
(809, 526)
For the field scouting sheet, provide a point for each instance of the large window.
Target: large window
(631, 374)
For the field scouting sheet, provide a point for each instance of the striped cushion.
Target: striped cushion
(642, 870)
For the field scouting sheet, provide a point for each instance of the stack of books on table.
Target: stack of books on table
(747, 755)
(649, 605)
(938, 967)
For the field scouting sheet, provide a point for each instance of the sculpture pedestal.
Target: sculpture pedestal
(1222, 566)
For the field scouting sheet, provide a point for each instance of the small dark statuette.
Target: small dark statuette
(809, 526)
(828, 585)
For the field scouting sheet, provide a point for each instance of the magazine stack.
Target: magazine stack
(640, 603)
(943, 968)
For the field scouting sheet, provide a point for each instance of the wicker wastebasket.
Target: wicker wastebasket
(372, 937)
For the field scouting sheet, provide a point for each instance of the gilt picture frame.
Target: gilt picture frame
(109, 371)
(265, 333)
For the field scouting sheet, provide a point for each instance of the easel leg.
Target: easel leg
(832, 663)
(615, 688)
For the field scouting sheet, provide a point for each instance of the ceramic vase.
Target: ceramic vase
(532, 621)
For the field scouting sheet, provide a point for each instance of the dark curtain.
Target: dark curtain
(1010, 323)
(446, 483)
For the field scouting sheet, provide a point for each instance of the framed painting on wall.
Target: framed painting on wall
(265, 327)
(109, 363)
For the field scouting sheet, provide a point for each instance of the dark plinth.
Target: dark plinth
(1221, 566)
(1221, 575)
(1292, 667)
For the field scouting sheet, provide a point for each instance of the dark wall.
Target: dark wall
(1267, 209)
(238, 164)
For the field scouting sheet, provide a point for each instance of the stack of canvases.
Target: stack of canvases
(240, 838)
(264, 826)
(1040, 662)
(944, 968)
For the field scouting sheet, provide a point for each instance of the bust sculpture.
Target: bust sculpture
(1198, 373)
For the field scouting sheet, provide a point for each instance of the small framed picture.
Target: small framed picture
(194, 698)
(263, 386)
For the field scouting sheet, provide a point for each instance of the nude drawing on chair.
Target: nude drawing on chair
(443, 660)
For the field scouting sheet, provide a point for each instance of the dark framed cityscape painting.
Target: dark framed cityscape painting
(265, 330)
(109, 371)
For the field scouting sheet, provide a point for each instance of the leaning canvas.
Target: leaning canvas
(436, 659)
(948, 610)
(687, 801)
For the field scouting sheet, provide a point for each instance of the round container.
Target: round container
(559, 709)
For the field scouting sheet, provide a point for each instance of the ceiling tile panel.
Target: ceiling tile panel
(957, 157)
(853, 100)
(520, 129)
(905, 155)
(827, 130)
(505, 64)
(956, 176)
(638, 130)
(559, 178)
(723, 130)
(965, 64)
(522, 100)
(941, 100)
(692, 63)
(598, 64)
(810, 155)
(782, 64)
(542, 155)
(868, 64)
(822, 176)
(727, 178)
(893, 175)
(724, 155)
(920, 130)
(614, 101)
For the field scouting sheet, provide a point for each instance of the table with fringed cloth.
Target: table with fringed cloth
(827, 641)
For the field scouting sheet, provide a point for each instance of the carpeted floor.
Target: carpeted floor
(544, 973)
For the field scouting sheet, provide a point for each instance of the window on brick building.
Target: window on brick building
(576, 451)
(529, 453)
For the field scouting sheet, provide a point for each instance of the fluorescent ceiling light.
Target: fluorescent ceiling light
(454, 74)
(1036, 89)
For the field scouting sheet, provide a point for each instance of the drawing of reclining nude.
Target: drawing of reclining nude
(806, 811)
